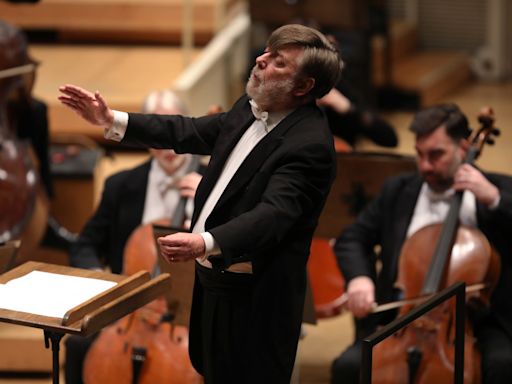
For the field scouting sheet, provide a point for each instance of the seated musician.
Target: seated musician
(144, 194)
(412, 201)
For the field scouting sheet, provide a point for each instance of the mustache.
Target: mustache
(256, 73)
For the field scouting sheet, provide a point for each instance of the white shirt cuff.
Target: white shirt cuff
(118, 128)
(210, 245)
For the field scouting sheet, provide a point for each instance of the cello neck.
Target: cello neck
(446, 240)
(444, 246)
(179, 213)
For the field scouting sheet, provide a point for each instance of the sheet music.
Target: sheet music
(49, 294)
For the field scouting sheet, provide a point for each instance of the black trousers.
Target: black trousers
(76, 348)
(225, 318)
(496, 350)
(345, 368)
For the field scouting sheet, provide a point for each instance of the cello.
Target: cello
(423, 352)
(145, 346)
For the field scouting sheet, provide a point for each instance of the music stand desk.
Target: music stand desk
(92, 315)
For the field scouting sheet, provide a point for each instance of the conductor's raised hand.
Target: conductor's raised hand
(181, 246)
(90, 106)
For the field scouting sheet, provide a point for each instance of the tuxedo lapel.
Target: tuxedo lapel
(237, 122)
(260, 153)
(250, 166)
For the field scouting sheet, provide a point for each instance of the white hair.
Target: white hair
(162, 101)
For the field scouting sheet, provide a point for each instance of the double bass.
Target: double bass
(145, 347)
(423, 352)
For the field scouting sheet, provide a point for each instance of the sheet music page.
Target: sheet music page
(49, 294)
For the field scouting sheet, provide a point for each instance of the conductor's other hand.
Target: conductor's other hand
(90, 106)
(181, 246)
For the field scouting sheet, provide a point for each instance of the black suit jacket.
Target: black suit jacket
(102, 240)
(385, 221)
(267, 213)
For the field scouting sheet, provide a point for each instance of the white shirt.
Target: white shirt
(432, 207)
(160, 201)
(254, 134)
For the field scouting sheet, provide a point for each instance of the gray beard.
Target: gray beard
(270, 93)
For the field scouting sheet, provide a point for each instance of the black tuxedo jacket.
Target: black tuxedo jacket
(102, 240)
(267, 213)
(385, 221)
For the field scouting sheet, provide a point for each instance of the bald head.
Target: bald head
(13, 46)
(164, 102)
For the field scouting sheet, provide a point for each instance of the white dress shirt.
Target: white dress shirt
(162, 196)
(432, 208)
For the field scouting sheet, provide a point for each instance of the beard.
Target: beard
(440, 182)
(272, 93)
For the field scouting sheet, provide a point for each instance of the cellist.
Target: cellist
(409, 202)
(143, 194)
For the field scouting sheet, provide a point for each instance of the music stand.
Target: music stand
(92, 315)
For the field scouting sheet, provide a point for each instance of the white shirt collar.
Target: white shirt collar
(269, 119)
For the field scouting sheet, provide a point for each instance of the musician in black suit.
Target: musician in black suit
(272, 164)
(408, 203)
(144, 194)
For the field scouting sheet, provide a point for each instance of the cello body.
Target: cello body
(431, 338)
(139, 348)
(434, 340)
